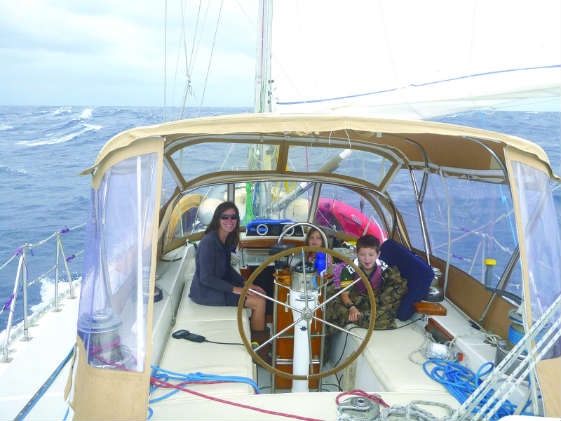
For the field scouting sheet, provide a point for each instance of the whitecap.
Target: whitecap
(62, 110)
(48, 291)
(7, 170)
(92, 126)
(87, 113)
(62, 139)
(5, 127)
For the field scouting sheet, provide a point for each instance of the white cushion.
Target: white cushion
(189, 310)
(387, 354)
(218, 324)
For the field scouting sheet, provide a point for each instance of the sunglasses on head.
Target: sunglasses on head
(231, 217)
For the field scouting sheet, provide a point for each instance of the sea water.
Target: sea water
(43, 149)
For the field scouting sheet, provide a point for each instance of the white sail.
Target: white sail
(412, 59)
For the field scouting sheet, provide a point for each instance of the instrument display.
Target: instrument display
(271, 228)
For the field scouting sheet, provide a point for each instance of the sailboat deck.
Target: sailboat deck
(320, 406)
(218, 324)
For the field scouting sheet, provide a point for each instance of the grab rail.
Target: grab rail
(21, 277)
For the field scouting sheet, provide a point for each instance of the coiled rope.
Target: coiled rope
(461, 382)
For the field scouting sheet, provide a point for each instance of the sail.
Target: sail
(411, 59)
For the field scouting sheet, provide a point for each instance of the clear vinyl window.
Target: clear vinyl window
(117, 265)
(350, 162)
(541, 237)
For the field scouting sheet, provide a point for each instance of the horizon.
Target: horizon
(551, 105)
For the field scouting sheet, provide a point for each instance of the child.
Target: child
(321, 261)
(353, 305)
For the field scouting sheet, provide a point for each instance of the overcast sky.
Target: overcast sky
(111, 52)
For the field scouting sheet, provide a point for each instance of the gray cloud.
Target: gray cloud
(111, 53)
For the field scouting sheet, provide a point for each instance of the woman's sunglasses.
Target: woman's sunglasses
(231, 217)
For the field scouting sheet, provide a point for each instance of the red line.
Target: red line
(202, 395)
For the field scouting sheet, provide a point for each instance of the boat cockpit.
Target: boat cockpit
(460, 213)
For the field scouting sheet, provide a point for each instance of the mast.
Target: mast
(260, 156)
(263, 65)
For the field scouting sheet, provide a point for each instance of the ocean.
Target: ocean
(42, 150)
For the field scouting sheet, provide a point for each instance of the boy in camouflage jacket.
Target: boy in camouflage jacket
(353, 305)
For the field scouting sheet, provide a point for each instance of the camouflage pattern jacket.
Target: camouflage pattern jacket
(387, 292)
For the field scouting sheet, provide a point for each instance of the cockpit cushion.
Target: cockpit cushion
(419, 275)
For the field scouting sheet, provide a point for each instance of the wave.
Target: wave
(87, 113)
(5, 127)
(62, 110)
(62, 139)
(13, 171)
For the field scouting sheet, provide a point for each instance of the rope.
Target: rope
(413, 411)
(239, 405)
(420, 349)
(52, 268)
(44, 387)
(362, 393)
(461, 382)
(199, 377)
(30, 246)
(6, 305)
(188, 86)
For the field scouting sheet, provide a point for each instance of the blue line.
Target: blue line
(29, 406)
(415, 85)
(338, 97)
(66, 413)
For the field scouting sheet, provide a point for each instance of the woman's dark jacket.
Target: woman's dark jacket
(214, 275)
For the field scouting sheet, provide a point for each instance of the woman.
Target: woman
(216, 282)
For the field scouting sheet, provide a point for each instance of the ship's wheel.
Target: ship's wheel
(309, 313)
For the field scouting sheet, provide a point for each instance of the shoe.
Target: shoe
(258, 337)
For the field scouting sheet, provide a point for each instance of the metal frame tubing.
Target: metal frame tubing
(6, 357)
(505, 277)
(426, 240)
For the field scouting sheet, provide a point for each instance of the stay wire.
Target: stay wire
(211, 54)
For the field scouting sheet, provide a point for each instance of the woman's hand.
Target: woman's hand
(354, 314)
(256, 288)
(238, 290)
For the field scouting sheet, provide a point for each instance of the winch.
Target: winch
(357, 408)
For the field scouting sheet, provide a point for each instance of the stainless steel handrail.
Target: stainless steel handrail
(22, 277)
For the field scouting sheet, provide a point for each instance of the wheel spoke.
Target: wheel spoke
(337, 327)
(322, 304)
(272, 338)
(276, 301)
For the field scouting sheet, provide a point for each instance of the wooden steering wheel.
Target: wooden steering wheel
(308, 313)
